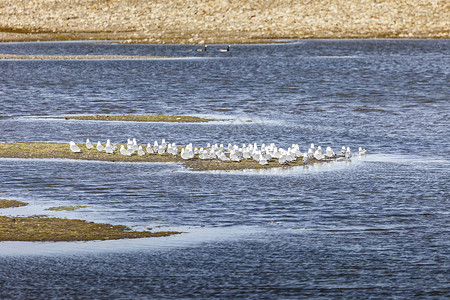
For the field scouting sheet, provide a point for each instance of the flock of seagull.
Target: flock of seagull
(262, 154)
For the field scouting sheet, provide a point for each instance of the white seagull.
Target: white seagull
(318, 155)
(74, 147)
(149, 149)
(305, 158)
(348, 154)
(89, 145)
(108, 147)
(329, 152)
(362, 151)
(124, 151)
(140, 151)
(100, 147)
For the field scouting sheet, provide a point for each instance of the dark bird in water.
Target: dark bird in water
(203, 49)
(225, 50)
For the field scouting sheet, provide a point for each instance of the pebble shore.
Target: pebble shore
(221, 21)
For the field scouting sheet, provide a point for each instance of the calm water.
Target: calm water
(377, 226)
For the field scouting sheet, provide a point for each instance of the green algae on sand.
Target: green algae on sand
(38, 228)
(11, 203)
(75, 57)
(139, 118)
(66, 208)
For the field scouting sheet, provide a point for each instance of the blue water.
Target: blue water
(377, 226)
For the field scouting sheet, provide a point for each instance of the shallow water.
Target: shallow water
(376, 226)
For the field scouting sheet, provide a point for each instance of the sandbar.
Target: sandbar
(62, 151)
(41, 228)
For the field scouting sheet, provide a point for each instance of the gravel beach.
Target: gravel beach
(221, 21)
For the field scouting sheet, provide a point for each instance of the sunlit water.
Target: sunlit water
(376, 226)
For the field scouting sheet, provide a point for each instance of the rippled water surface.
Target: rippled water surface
(376, 226)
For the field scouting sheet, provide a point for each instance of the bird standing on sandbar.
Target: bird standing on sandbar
(89, 145)
(74, 148)
(100, 147)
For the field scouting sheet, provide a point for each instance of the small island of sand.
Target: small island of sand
(138, 118)
(62, 150)
(40, 229)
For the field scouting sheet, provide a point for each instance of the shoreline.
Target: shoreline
(221, 22)
(102, 37)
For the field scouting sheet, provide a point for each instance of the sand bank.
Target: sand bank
(62, 150)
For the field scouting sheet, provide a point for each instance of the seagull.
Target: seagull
(343, 150)
(282, 160)
(100, 147)
(329, 152)
(108, 147)
(348, 154)
(203, 49)
(174, 151)
(225, 50)
(161, 149)
(135, 145)
(320, 149)
(290, 156)
(305, 158)
(89, 145)
(124, 151)
(263, 161)
(149, 149)
(362, 151)
(318, 155)
(185, 154)
(140, 151)
(223, 157)
(74, 147)
(234, 156)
